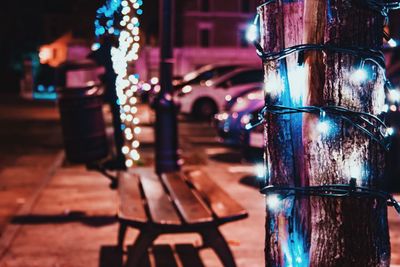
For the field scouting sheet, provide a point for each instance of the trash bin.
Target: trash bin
(83, 123)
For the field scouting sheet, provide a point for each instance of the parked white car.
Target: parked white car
(204, 100)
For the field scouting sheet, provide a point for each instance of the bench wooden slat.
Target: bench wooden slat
(223, 206)
(160, 207)
(130, 201)
(191, 207)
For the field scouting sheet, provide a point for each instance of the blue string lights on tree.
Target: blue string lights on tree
(106, 16)
(121, 18)
(372, 126)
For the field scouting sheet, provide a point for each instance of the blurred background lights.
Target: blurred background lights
(228, 98)
(146, 87)
(154, 80)
(394, 95)
(95, 46)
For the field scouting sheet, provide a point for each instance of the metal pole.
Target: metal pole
(166, 123)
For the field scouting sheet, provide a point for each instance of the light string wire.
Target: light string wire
(332, 190)
(360, 120)
(369, 124)
(357, 119)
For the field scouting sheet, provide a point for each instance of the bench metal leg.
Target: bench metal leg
(213, 238)
(142, 243)
(121, 235)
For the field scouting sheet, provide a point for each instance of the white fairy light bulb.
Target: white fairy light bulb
(129, 163)
(252, 33)
(390, 131)
(394, 95)
(359, 76)
(392, 42)
(137, 130)
(134, 110)
(125, 149)
(135, 144)
(323, 127)
(273, 202)
(260, 170)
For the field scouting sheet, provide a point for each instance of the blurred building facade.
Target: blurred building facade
(215, 23)
(206, 31)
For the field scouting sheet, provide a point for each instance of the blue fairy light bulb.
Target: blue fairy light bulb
(251, 33)
(323, 127)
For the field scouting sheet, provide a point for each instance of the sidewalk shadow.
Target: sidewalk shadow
(74, 216)
(167, 255)
(110, 256)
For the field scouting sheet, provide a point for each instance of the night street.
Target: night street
(72, 219)
(200, 133)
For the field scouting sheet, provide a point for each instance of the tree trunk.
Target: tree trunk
(322, 231)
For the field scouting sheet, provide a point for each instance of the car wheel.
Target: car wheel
(204, 109)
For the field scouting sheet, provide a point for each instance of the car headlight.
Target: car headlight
(185, 90)
(222, 116)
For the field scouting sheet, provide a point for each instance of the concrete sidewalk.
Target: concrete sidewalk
(73, 223)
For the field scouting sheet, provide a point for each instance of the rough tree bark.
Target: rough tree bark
(321, 231)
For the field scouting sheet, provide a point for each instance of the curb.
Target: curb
(12, 230)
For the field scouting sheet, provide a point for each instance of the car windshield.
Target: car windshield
(198, 77)
(249, 100)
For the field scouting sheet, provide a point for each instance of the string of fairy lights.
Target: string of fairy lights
(373, 126)
(122, 20)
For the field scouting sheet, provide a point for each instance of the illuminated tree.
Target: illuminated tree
(325, 147)
(121, 18)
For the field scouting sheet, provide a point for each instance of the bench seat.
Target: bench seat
(179, 202)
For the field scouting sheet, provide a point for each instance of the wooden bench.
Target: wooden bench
(181, 202)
